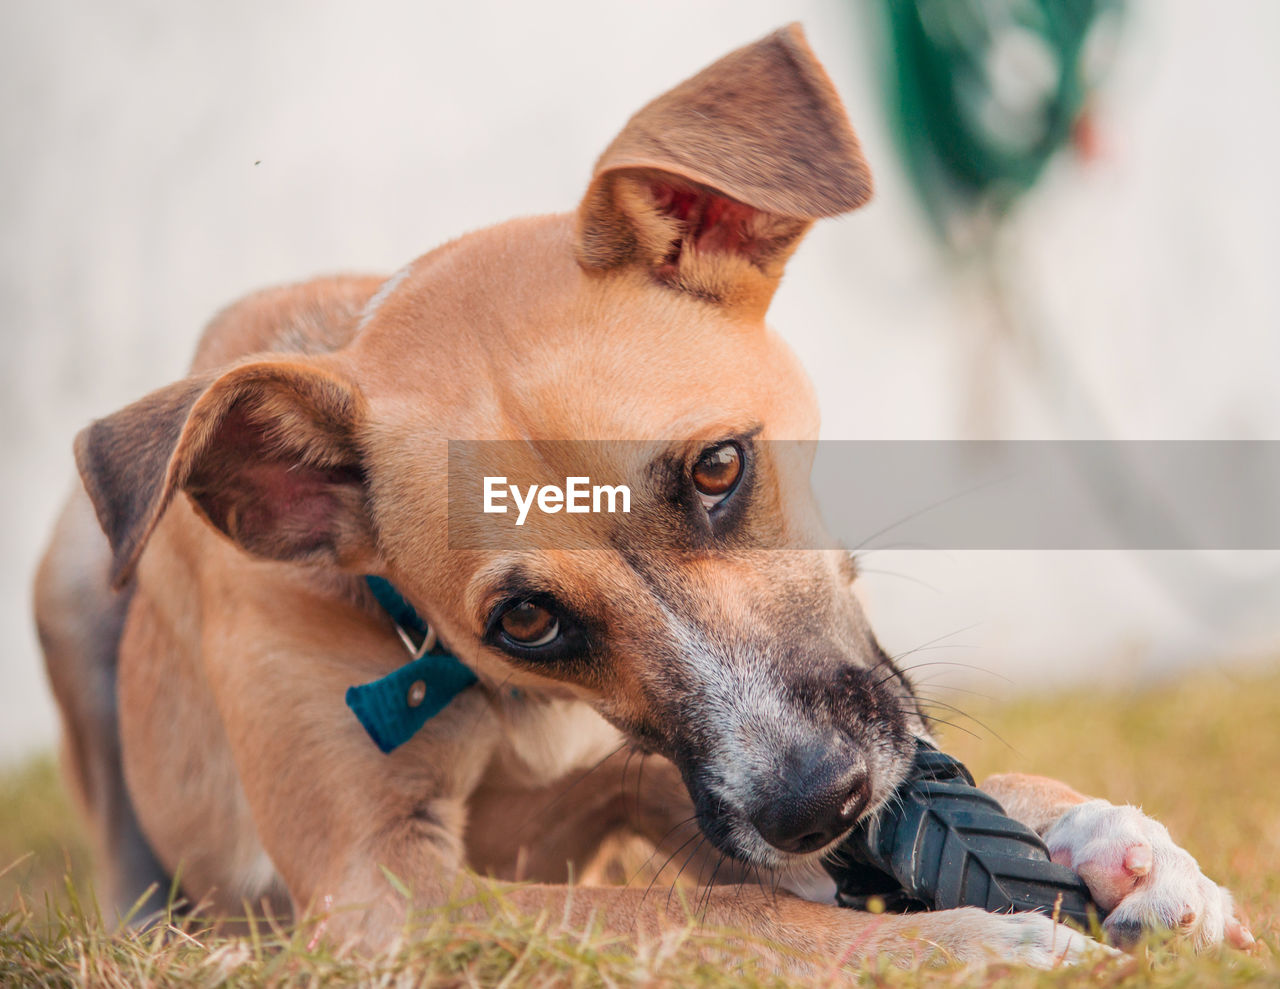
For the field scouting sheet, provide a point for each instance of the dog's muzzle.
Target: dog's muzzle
(818, 794)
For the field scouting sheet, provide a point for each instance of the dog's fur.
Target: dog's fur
(201, 651)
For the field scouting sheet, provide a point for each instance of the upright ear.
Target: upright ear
(267, 452)
(711, 186)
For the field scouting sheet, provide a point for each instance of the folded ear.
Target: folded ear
(712, 185)
(267, 452)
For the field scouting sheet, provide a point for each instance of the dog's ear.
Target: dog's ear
(268, 453)
(712, 185)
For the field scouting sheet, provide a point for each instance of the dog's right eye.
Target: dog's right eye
(716, 473)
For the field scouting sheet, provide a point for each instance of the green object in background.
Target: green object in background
(983, 93)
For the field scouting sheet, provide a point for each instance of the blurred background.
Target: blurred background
(1075, 236)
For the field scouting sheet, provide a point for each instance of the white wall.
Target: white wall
(160, 159)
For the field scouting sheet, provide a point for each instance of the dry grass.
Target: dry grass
(1202, 754)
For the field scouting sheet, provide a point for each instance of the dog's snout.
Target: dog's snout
(819, 797)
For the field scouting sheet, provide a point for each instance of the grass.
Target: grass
(1201, 754)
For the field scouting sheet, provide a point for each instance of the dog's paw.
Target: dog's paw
(973, 936)
(1134, 870)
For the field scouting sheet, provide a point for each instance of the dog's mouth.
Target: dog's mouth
(781, 768)
(785, 769)
(797, 820)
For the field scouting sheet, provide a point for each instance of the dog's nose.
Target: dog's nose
(820, 798)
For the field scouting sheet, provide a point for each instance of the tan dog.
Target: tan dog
(244, 504)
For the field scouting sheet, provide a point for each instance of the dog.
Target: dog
(205, 603)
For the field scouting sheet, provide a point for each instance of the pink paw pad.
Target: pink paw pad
(1138, 859)
(1238, 935)
(1113, 875)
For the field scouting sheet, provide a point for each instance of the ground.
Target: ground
(1201, 754)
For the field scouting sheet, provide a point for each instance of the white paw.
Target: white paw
(1134, 870)
(1031, 939)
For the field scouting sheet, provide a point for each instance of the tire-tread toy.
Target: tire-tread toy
(940, 842)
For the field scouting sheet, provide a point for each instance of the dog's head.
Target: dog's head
(640, 319)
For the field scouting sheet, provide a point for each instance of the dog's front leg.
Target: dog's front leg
(786, 932)
(1130, 863)
(422, 848)
(791, 933)
(647, 796)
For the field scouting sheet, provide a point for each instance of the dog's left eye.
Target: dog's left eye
(716, 473)
(530, 625)
(535, 627)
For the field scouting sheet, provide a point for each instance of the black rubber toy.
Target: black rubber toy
(941, 843)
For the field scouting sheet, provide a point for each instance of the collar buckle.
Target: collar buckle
(429, 641)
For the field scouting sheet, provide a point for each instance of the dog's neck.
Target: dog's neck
(414, 630)
(393, 708)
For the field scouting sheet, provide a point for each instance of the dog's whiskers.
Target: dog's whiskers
(934, 719)
(902, 576)
(670, 858)
(935, 641)
(622, 780)
(911, 516)
(705, 901)
(936, 702)
(951, 688)
(657, 848)
(964, 666)
(702, 840)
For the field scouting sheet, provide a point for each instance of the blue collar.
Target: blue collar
(393, 708)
